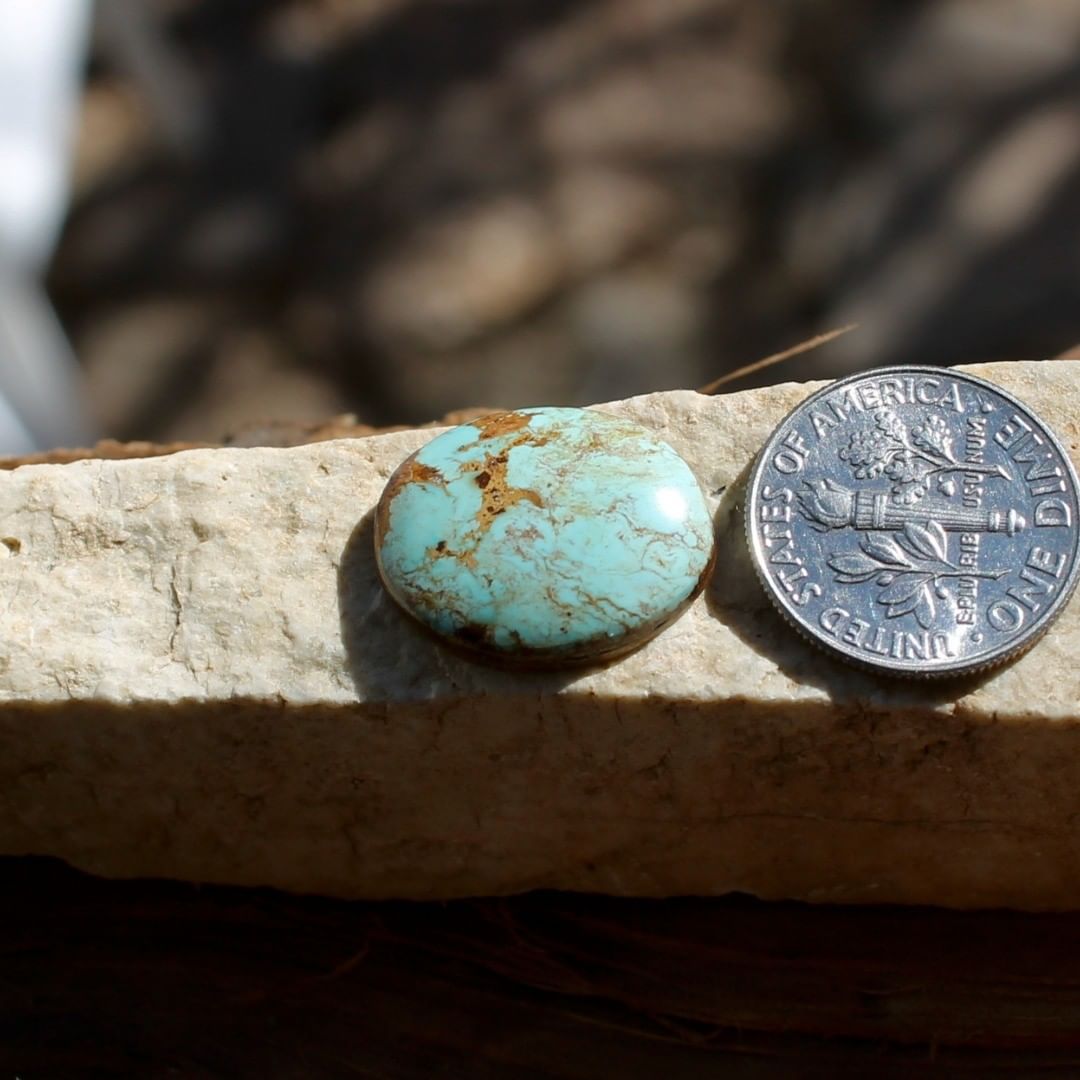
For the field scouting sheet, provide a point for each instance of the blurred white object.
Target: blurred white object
(42, 54)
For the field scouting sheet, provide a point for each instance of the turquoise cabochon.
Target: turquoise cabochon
(544, 536)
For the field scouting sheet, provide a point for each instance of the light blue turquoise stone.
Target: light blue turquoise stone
(544, 535)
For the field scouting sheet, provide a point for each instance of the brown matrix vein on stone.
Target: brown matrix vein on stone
(497, 493)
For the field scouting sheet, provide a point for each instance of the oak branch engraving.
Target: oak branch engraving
(912, 459)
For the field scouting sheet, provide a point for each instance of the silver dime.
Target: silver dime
(916, 521)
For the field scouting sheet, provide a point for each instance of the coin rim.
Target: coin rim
(961, 667)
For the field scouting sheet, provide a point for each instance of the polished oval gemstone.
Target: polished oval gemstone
(544, 536)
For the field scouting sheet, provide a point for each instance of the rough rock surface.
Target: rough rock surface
(204, 679)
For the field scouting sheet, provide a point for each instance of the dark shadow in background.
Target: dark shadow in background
(1018, 299)
(265, 113)
(242, 228)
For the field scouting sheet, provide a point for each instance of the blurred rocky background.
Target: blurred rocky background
(288, 210)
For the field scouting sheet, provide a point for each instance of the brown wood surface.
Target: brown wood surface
(152, 979)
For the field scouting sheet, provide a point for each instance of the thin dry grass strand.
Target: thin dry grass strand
(776, 358)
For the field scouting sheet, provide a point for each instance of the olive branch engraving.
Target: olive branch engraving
(910, 458)
(909, 567)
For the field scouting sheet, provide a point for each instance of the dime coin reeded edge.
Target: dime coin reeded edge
(1025, 640)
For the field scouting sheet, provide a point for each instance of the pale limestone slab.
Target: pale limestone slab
(203, 679)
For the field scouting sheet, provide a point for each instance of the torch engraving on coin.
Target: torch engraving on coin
(916, 521)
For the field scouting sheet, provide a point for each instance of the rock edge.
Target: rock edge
(204, 680)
